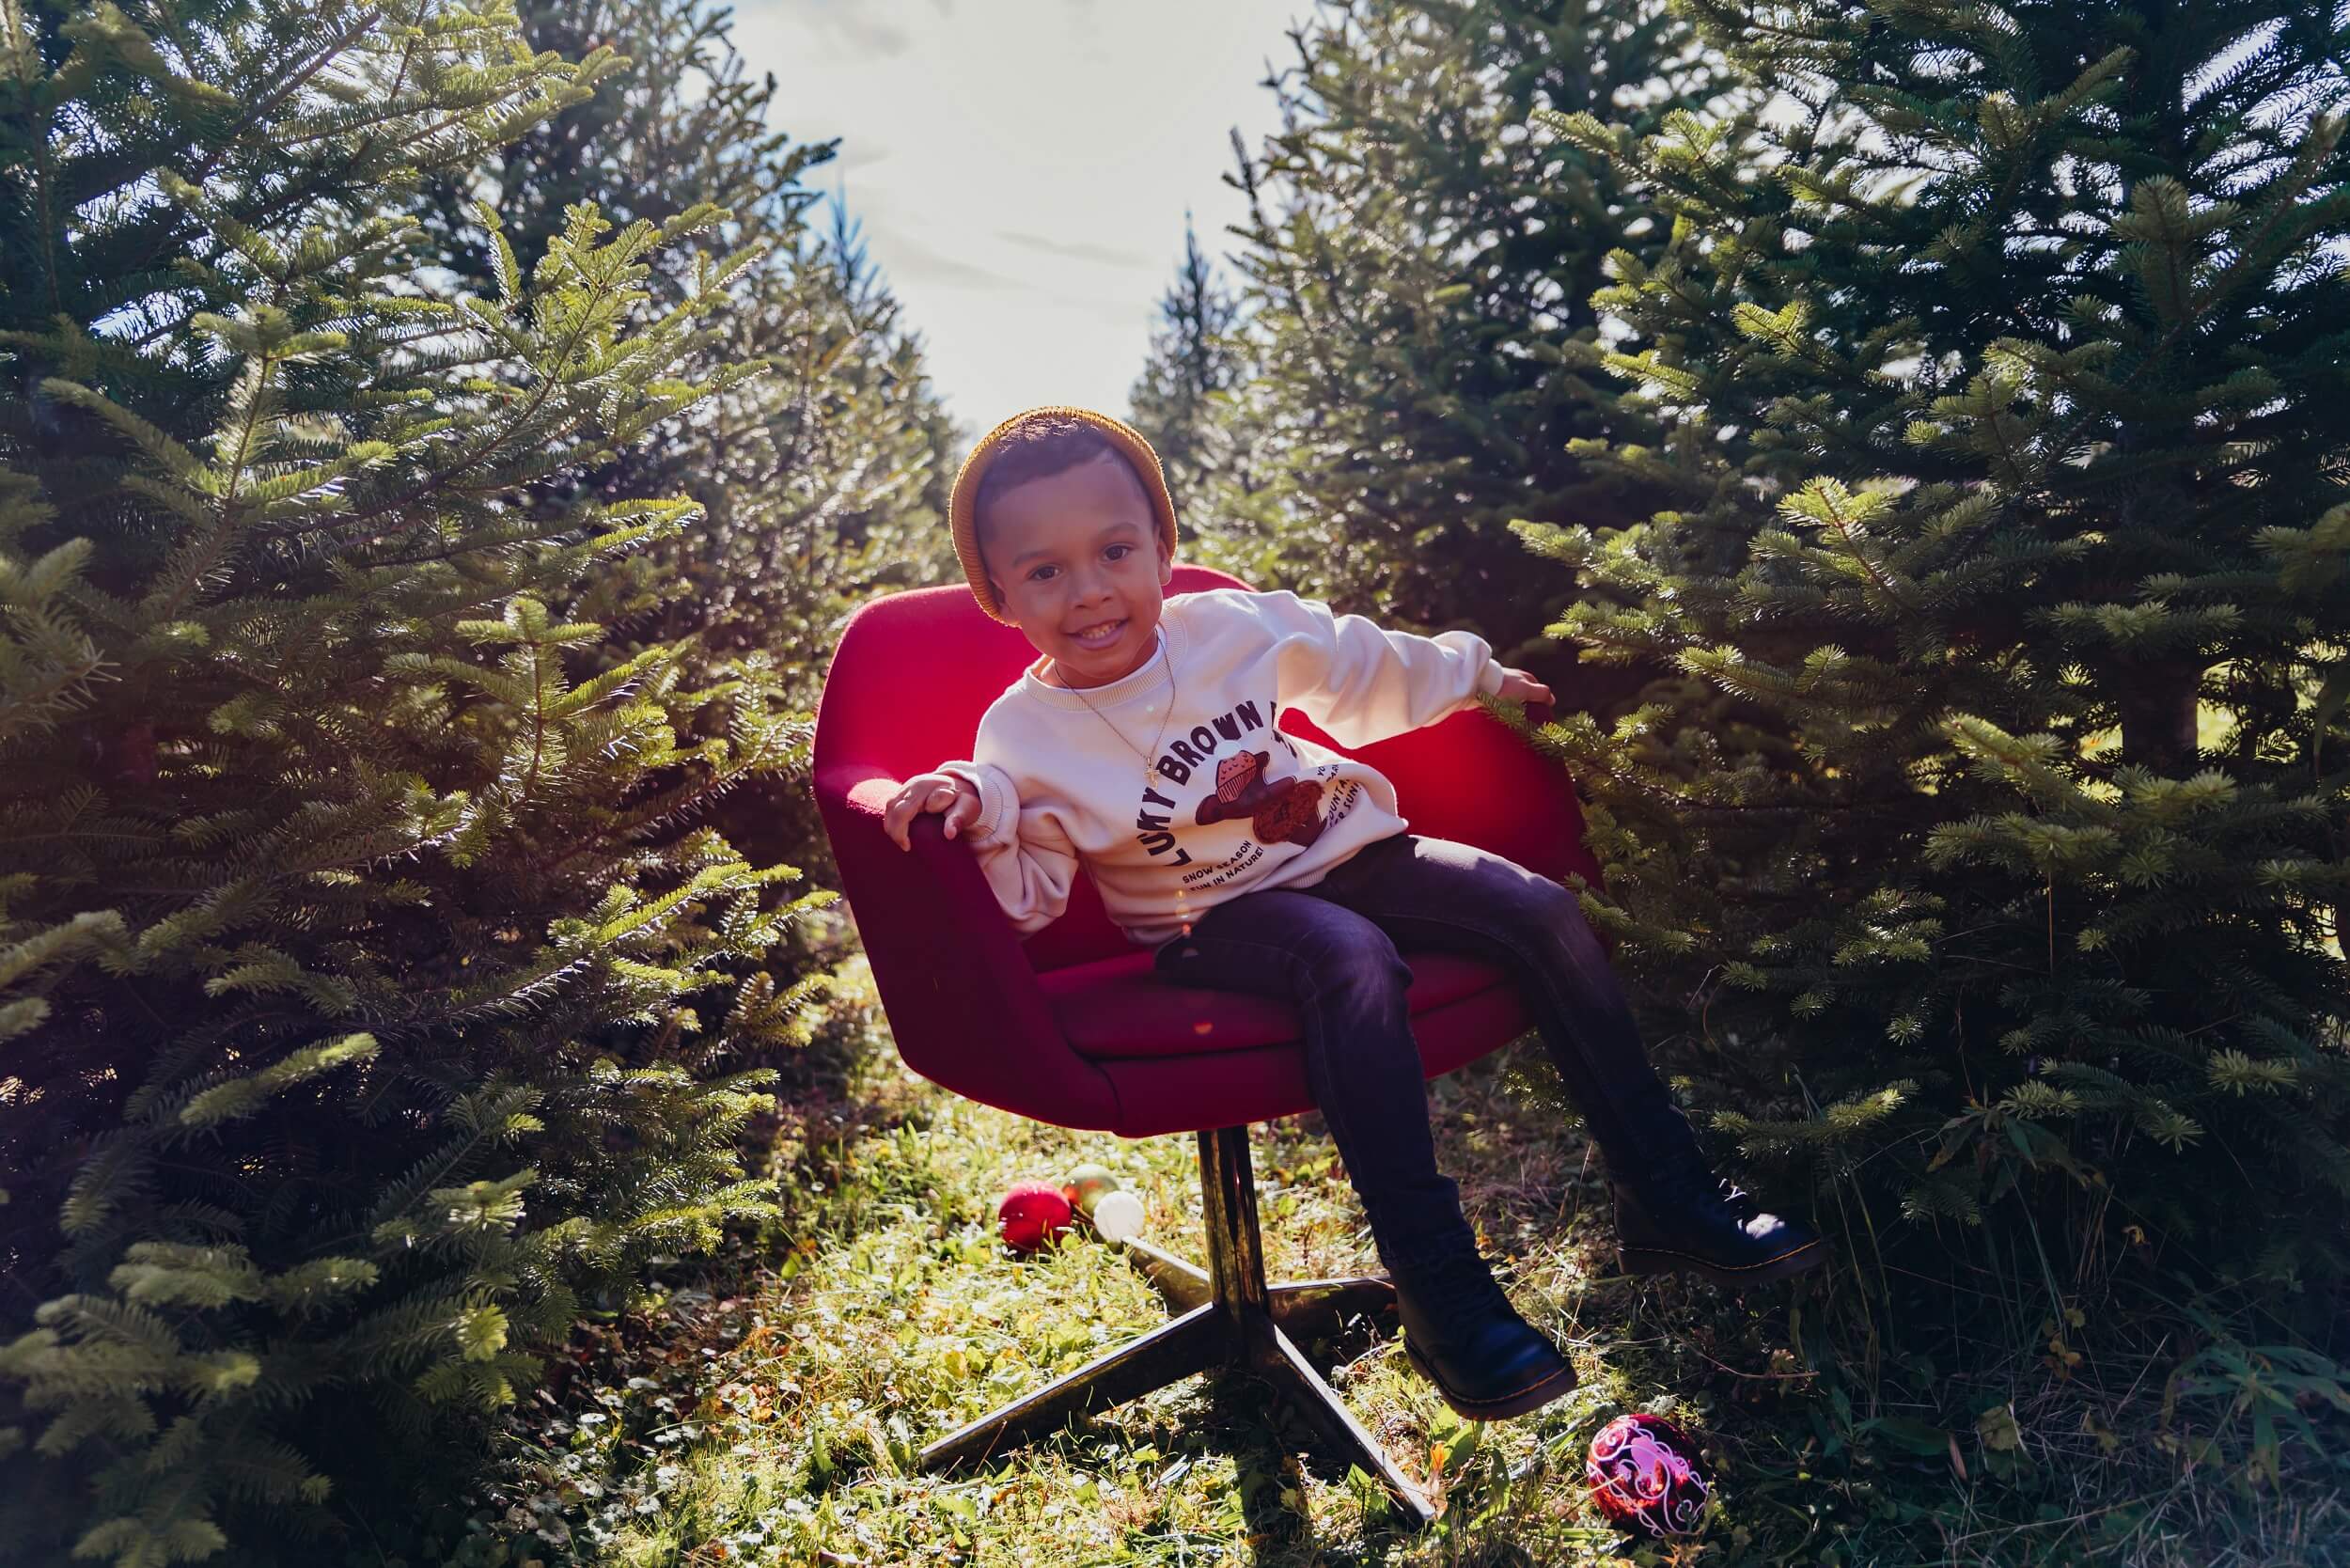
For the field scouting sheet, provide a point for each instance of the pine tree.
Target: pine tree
(824, 481)
(820, 482)
(1418, 269)
(1993, 821)
(1194, 357)
(365, 1005)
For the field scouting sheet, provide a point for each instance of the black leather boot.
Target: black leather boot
(1684, 1219)
(1463, 1334)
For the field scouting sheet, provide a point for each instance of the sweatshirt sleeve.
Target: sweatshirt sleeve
(1362, 682)
(1026, 854)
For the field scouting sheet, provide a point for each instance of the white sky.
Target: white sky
(1020, 169)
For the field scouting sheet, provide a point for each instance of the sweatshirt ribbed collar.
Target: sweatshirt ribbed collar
(1151, 679)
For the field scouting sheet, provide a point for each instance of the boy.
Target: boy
(1142, 746)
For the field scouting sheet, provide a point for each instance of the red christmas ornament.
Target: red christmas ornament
(1644, 1471)
(1031, 1212)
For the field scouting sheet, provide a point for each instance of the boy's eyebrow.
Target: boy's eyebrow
(1124, 525)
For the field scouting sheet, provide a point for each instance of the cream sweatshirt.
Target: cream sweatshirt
(1231, 803)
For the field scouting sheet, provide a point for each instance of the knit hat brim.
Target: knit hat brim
(963, 512)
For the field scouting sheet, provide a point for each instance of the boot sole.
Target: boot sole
(1532, 1397)
(1659, 1259)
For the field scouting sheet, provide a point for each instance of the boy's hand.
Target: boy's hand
(931, 792)
(1518, 687)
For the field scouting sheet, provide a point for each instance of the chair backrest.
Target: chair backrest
(913, 672)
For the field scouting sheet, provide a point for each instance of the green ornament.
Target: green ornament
(1087, 1183)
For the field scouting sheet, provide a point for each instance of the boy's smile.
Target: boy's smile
(1078, 553)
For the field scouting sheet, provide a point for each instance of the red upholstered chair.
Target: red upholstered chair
(1073, 1027)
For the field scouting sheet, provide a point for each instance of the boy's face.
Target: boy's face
(1074, 550)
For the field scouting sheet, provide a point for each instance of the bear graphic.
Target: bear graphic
(1290, 811)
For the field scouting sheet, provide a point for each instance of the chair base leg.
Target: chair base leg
(1191, 1343)
(1226, 1315)
(1303, 1307)
(1200, 1340)
(1308, 1307)
(1278, 1359)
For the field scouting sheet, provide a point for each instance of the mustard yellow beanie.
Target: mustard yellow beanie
(961, 512)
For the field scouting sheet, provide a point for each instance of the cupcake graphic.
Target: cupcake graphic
(1287, 813)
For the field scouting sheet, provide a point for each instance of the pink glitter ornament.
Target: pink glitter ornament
(1643, 1471)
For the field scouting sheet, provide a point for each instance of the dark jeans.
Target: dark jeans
(1331, 950)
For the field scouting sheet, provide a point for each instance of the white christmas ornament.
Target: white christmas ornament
(1117, 1215)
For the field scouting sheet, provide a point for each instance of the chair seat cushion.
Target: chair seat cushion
(1119, 1007)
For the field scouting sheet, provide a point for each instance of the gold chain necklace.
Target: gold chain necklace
(1148, 769)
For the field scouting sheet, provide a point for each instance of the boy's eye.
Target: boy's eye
(1038, 574)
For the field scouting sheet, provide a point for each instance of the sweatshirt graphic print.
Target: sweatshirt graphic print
(1231, 803)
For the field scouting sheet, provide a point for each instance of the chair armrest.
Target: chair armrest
(963, 1002)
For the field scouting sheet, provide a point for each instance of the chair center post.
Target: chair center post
(1235, 1246)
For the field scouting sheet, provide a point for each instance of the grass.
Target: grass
(770, 1413)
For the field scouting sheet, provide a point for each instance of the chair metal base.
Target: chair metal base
(1226, 1316)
